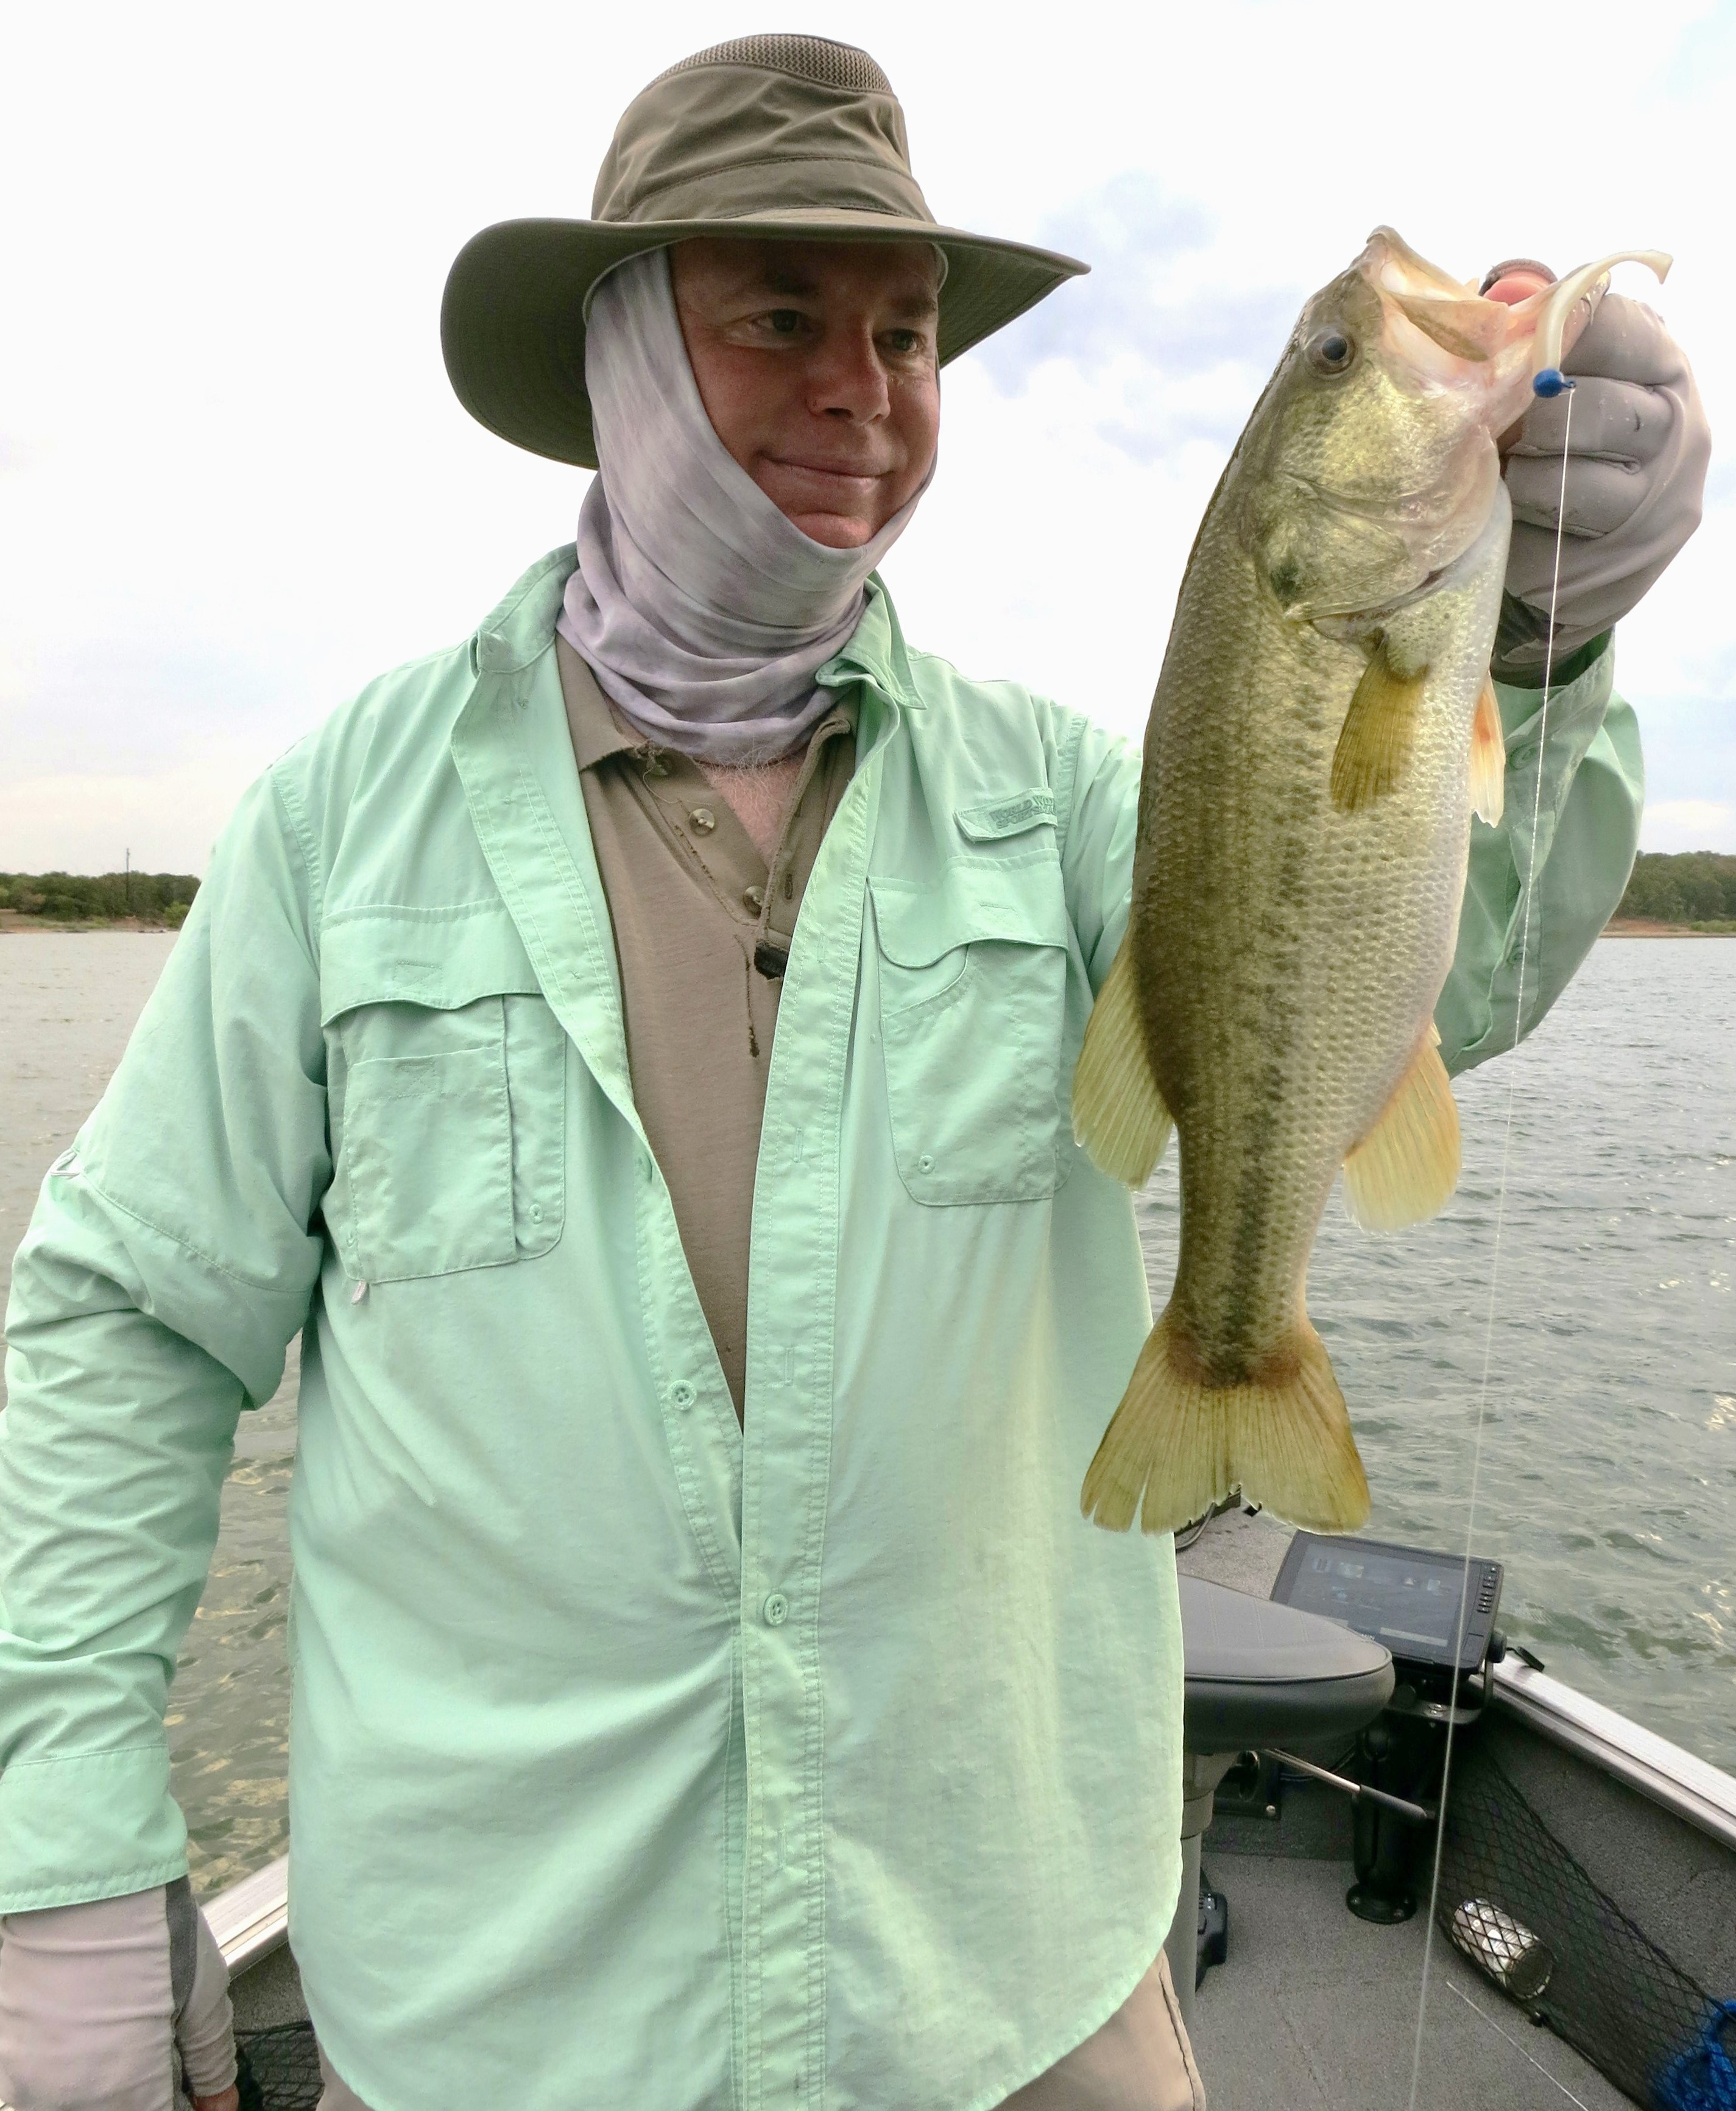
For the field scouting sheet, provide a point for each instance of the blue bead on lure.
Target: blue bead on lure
(1551, 382)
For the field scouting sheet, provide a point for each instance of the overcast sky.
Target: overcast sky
(235, 483)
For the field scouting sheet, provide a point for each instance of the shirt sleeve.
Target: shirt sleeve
(1537, 909)
(1098, 804)
(1587, 816)
(170, 1259)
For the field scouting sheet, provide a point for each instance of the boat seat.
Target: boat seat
(1257, 1674)
(1261, 1673)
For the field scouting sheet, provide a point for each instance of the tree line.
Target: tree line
(1691, 887)
(108, 898)
(1687, 887)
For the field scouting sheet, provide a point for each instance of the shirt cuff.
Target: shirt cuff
(92, 1827)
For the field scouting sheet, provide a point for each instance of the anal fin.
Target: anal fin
(1404, 1169)
(1119, 1115)
(1375, 742)
(1489, 759)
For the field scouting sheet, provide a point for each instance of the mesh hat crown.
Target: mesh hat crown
(772, 137)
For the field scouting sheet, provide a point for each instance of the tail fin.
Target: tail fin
(1175, 1446)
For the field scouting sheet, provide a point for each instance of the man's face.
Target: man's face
(817, 365)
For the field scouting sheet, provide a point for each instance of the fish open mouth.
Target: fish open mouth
(1455, 336)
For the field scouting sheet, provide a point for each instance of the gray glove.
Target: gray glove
(120, 2005)
(1636, 468)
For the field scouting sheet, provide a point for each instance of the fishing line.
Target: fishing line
(1551, 382)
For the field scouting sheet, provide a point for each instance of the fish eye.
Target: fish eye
(1331, 352)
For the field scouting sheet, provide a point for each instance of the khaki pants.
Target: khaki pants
(1140, 2060)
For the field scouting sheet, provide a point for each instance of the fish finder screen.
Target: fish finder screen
(1411, 1605)
(1408, 1597)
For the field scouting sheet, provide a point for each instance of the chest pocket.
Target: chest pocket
(973, 992)
(448, 1077)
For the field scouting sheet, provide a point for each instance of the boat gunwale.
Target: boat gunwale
(1681, 1783)
(250, 1917)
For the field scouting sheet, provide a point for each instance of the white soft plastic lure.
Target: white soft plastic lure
(1530, 333)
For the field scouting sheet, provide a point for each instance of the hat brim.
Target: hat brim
(512, 319)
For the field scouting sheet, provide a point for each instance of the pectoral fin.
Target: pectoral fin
(1406, 1167)
(1378, 729)
(1119, 1115)
(1489, 759)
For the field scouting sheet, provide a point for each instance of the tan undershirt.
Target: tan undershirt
(693, 901)
(701, 915)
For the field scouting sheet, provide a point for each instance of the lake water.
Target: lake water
(1607, 1481)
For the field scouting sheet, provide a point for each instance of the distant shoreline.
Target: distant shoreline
(1647, 927)
(1619, 927)
(11, 921)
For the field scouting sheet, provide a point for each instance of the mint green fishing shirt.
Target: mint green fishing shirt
(639, 1758)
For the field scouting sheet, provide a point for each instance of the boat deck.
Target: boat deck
(1316, 2011)
(1315, 2008)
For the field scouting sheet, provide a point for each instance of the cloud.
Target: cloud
(1689, 824)
(83, 821)
(1704, 57)
(138, 701)
(1169, 355)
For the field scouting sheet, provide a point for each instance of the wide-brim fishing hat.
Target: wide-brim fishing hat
(787, 138)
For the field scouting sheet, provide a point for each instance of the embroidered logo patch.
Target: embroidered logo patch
(1006, 817)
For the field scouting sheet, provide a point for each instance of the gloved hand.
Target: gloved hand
(1636, 470)
(121, 2004)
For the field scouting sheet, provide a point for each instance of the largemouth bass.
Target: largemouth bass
(1323, 729)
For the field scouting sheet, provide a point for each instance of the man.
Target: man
(635, 1047)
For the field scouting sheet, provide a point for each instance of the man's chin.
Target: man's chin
(837, 531)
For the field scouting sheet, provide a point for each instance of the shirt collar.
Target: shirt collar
(519, 629)
(597, 733)
(875, 653)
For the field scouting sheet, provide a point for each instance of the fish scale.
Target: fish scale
(1322, 730)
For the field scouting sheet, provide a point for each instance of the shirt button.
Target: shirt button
(703, 820)
(776, 1609)
(682, 1394)
(926, 1162)
(536, 1213)
(755, 898)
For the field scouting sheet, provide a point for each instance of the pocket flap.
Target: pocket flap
(1021, 904)
(442, 958)
(1011, 816)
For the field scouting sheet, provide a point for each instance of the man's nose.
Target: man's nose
(847, 378)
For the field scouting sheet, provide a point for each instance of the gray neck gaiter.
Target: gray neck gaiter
(703, 612)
